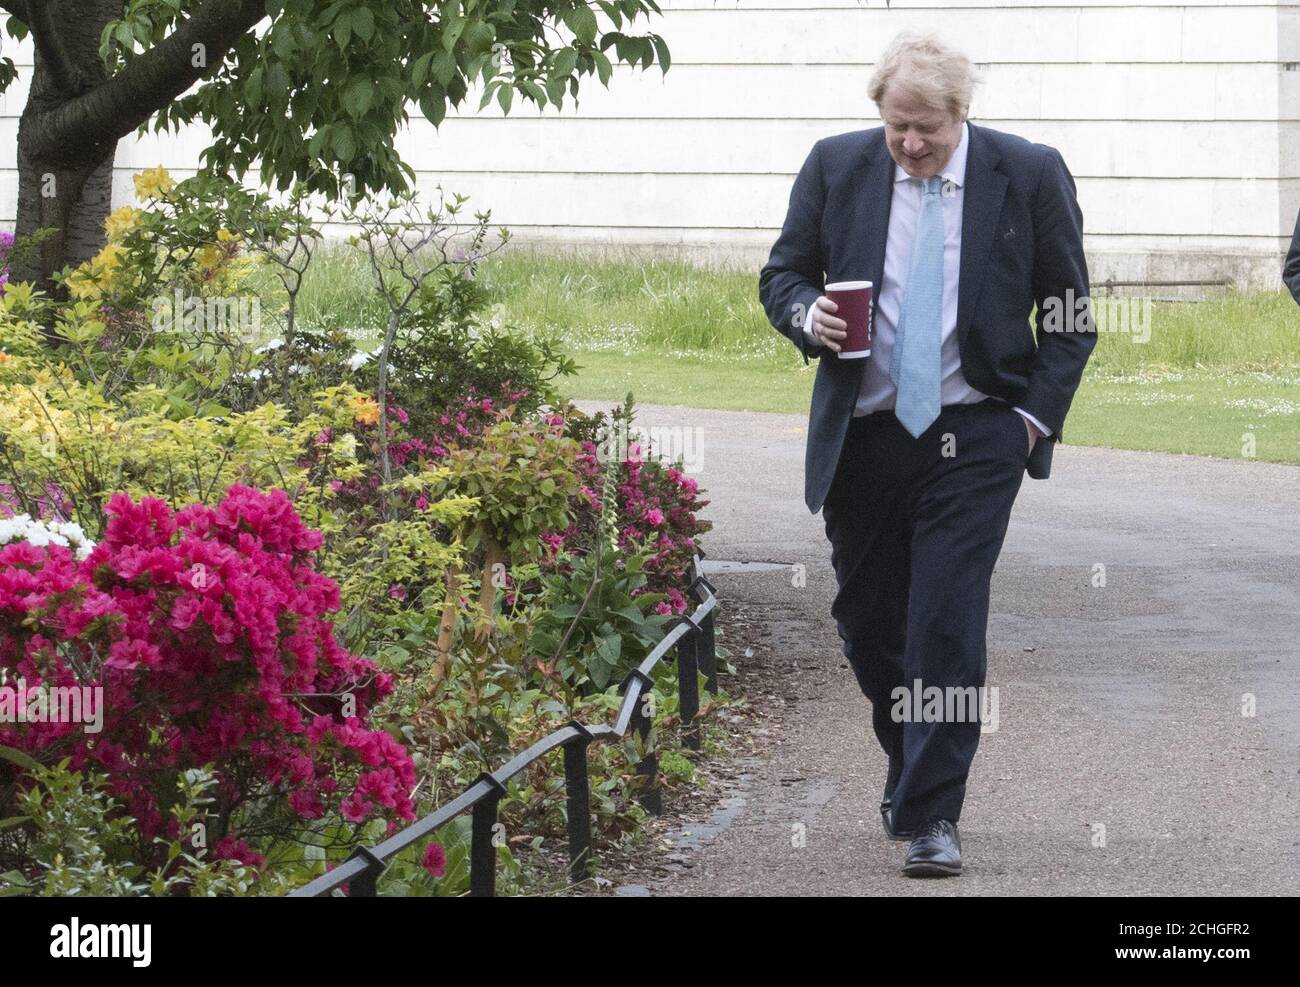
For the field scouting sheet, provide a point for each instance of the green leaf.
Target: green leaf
(420, 69)
(479, 37)
(277, 81)
(603, 68)
(282, 43)
(611, 12)
(358, 97)
(565, 62)
(20, 758)
(253, 87)
(555, 89)
(363, 23)
(661, 51)
(582, 22)
(444, 67)
(451, 31)
(345, 143)
(18, 884)
(610, 648)
(434, 107)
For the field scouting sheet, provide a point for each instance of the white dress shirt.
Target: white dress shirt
(878, 391)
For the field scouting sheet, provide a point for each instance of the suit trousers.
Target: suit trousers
(915, 526)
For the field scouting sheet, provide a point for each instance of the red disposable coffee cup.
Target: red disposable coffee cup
(853, 299)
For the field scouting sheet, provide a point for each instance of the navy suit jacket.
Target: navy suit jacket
(1291, 269)
(1021, 243)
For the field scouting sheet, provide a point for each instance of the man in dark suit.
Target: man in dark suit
(915, 454)
(1291, 269)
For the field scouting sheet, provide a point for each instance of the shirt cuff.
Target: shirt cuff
(1043, 429)
(807, 332)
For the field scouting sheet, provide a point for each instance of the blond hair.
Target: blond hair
(940, 76)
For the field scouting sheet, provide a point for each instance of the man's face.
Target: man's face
(920, 139)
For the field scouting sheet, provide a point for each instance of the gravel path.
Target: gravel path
(1122, 762)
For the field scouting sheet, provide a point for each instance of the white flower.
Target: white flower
(274, 344)
(42, 533)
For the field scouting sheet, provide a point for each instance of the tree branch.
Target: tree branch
(115, 108)
(65, 72)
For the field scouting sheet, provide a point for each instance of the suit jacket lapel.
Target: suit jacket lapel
(982, 197)
(877, 184)
(873, 182)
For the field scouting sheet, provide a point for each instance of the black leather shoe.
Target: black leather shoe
(886, 804)
(935, 850)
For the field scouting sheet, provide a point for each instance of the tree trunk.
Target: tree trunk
(76, 209)
(71, 192)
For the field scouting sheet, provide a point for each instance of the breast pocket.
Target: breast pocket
(1010, 270)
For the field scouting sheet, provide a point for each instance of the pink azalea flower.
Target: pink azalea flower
(434, 860)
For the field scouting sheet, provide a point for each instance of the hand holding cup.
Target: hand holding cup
(841, 319)
(829, 330)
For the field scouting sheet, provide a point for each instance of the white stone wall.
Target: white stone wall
(1179, 121)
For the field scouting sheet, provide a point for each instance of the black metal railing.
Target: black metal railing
(693, 637)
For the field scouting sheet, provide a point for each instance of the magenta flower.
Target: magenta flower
(211, 634)
(6, 243)
(435, 860)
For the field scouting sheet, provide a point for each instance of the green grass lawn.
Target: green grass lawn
(1206, 376)
(1204, 413)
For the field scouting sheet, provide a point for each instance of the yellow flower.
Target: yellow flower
(81, 286)
(107, 261)
(120, 222)
(367, 410)
(225, 236)
(89, 281)
(153, 183)
(211, 257)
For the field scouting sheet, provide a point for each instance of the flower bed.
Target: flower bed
(314, 586)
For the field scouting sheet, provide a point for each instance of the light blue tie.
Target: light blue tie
(914, 364)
